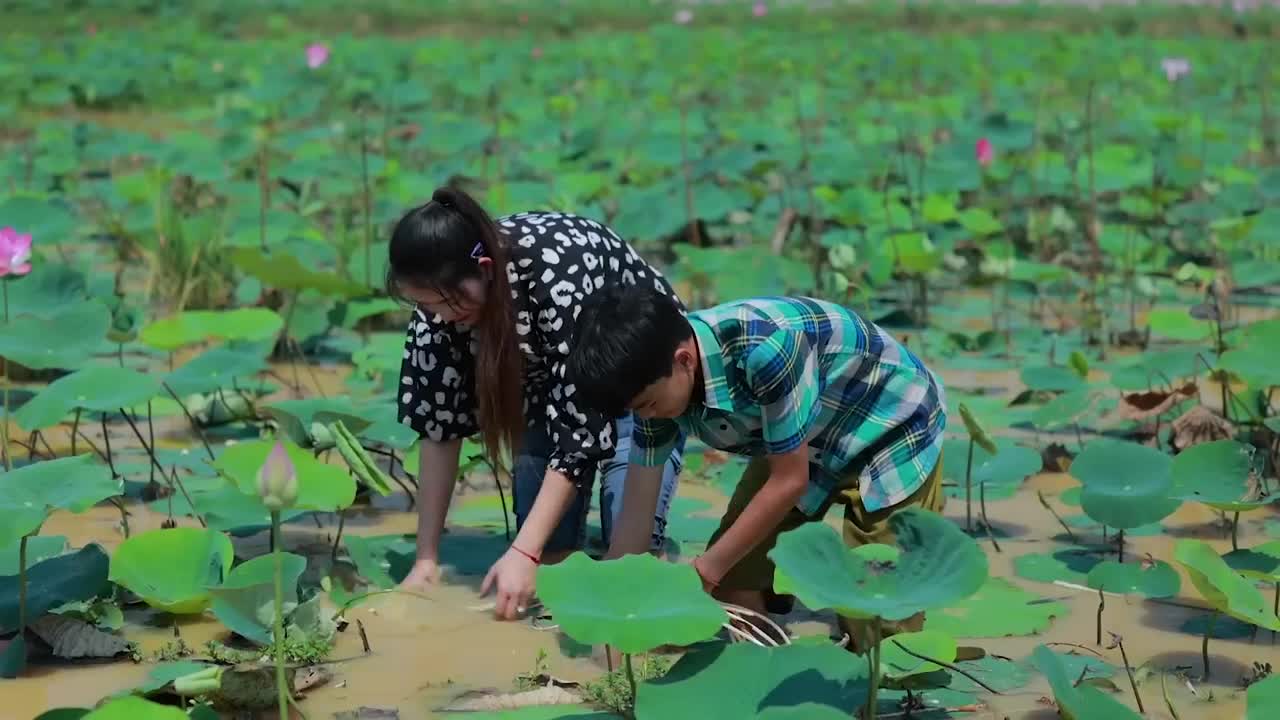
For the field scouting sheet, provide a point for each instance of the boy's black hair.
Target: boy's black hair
(626, 339)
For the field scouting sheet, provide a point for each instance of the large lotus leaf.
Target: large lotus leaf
(81, 575)
(1126, 485)
(1253, 363)
(196, 326)
(938, 564)
(47, 219)
(1223, 588)
(39, 547)
(1013, 464)
(1070, 565)
(1051, 378)
(22, 512)
(998, 609)
(1179, 325)
(296, 416)
(1262, 699)
(740, 680)
(638, 603)
(1218, 475)
(896, 663)
(1261, 562)
(74, 483)
(13, 659)
(385, 560)
(284, 272)
(1159, 580)
(47, 289)
(172, 569)
(102, 388)
(245, 602)
(321, 486)
(132, 707)
(1083, 702)
(213, 369)
(1063, 410)
(224, 507)
(64, 340)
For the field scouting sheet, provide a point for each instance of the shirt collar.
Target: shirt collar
(711, 353)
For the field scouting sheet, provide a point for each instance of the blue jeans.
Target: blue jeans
(570, 534)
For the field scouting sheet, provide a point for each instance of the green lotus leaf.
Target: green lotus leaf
(13, 659)
(74, 483)
(284, 271)
(1158, 581)
(896, 663)
(1013, 464)
(245, 601)
(998, 609)
(1070, 565)
(132, 707)
(1254, 363)
(385, 560)
(1083, 702)
(102, 388)
(1179, 325)
(321, 486)
(213, 369)
(1218, 475)
(81, 575)
(172, 569)
(192, 327)
(296, 417)
(709, 681)
(639, 602)
(1224, 589)
(1262, 699)
(39, 547)
(64, 340)
(937, 565)
(1126, 485)
(1261, 562)
(224, 507)
(1063, 410)
(22, 512)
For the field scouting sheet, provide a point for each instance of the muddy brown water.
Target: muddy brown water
(427, 651)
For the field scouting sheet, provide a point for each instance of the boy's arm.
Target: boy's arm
(788, 480)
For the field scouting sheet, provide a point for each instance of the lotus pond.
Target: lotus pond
(1079, 230)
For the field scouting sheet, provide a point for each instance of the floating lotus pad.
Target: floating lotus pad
(740, 680)
(998, 609)
(896, 663)
(1159, 580)
(935, 564)
(1082, 702)
(1070, 565)
(214, 369)
(65, 340)
(1217, 474)
(172, 569)
(102, 388)
(639, 602)
(1261, 562)
(1126, 485)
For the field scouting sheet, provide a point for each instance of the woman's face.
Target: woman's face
(462, 306)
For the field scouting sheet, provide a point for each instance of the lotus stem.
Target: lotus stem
(1045, 502)
(337, 541)
(282, 684)
(873, 657)
(1120, 540)
(22, 585)
(982, 503)
(631, 680)
(1129, 671)
(946, 665)
(1235, 531)
(194, 425)
(1204, 646)
(75, 426)
(968, 490)
(1102, 605)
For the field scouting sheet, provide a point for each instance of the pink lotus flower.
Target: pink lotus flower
(15, 253)
(684, 17)
(536, 53)
(759, 9)
(984, 152)
(1175, 68)
(317, 55)
(278, 479)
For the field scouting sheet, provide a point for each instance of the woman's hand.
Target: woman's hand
(514, 576)
(424, 574)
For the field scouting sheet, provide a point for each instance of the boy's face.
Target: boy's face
(669, 397)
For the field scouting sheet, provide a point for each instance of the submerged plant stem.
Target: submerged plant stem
(282, 684)
(1133, 683)
(1204, 646)
(982, 504)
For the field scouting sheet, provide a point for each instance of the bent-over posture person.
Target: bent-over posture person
(829, 407)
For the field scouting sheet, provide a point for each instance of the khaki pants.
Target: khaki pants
(861, 527)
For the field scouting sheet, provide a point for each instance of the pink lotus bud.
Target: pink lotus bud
(984, 152)
(317, 55)
(684, 17)
(278, 480)
(759, 9)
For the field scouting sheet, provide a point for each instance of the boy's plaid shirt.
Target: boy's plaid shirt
(780, 372)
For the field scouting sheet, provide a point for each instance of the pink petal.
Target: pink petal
(759, 9)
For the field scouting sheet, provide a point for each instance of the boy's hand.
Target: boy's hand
(514, 577)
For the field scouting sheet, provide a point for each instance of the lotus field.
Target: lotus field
(1072, 214)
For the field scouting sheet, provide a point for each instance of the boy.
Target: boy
(829, 407)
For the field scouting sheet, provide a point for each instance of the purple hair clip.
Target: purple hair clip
(477, 252)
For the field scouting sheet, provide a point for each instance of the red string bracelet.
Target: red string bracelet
(532, 558)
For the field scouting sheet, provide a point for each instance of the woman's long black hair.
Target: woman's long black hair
(435, 246)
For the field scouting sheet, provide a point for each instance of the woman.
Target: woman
(496, 304)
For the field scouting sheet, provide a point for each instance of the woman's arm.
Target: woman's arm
(437, 477)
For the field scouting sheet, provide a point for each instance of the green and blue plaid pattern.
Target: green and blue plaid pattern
(783, 372)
